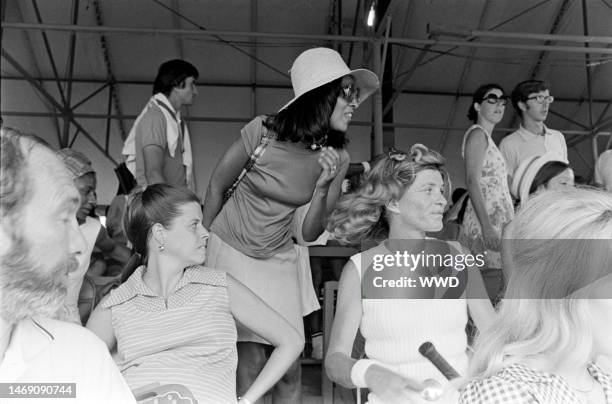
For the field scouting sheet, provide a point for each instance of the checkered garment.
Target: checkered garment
(518, 384)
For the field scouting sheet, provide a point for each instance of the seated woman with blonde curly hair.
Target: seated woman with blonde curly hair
(399, 201)
(556, 317)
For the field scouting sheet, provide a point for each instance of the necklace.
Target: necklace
(319, 145)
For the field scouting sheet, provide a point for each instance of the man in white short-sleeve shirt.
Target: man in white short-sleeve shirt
(40, 242)
(532, 100)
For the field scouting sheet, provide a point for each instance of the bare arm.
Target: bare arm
(111, 249)
(506, 250)
(271, 326)
(326, 193)
(223, 176)
(475, 149)
(479, 305)
(510, 159)
(101, 323)
(385, 384)
(153, 164)
(338, 362)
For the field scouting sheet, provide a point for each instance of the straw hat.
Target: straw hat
(319, 66)
(525, 174)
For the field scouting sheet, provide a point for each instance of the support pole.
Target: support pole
(377, 112)
(585, 26)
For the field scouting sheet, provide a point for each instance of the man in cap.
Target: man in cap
(40, 243)
(99, 246)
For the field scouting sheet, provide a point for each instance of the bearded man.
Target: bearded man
(40, 242)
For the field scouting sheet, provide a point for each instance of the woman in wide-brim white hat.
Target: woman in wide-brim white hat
(304, 162)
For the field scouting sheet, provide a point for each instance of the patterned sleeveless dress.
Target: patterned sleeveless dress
(494, 188)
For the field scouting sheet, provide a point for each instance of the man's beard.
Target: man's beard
(27, 289)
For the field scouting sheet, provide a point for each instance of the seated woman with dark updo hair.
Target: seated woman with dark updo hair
(172, 321)
(540, 173)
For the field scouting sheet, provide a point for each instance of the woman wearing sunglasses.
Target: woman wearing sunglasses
(303, 161)
(490, 205)
(400, 199)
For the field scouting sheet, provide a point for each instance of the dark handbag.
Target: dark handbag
(125, 178)
(266, 138)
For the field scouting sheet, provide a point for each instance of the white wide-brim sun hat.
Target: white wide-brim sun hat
(526, 172)
(318, 66)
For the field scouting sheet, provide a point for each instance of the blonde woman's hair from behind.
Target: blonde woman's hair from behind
(361, 215)
(560, 244)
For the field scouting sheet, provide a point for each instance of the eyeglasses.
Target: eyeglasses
(494, 99)
(541, 98)
(397, 155)
(350, 92)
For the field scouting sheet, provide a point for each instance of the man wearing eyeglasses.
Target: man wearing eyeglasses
(532, 100)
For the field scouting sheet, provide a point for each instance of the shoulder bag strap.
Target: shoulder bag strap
(266, 139)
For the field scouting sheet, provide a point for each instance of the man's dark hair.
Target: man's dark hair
(15, 147)
(546, 173)
(172, 74)
(522, 91)
(306, 120)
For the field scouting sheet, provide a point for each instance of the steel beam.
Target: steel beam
(407, 76)
(445, 29)
(109, 68)
(550, 111)
(463, 77)
(534, 70)
(7, 56)
(514, 17)
(401, 54)
(425, 126)
(585, 27)
(49, 53)
(176, 23)
(109, 110)
(70, 73)
(90, 96)
(344, 38)
(416, 91)
(604, 112)
(563, 7)
(253, 63)
(355, 18)
(217, 35)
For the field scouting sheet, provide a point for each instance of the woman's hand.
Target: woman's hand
(389, 387)
(492, 241)
(329, 160)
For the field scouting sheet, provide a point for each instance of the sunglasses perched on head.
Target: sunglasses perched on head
(350, 92)
(494, 99)
(397, 155)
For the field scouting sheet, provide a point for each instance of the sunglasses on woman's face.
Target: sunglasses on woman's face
(350, 92)
(494, 99)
